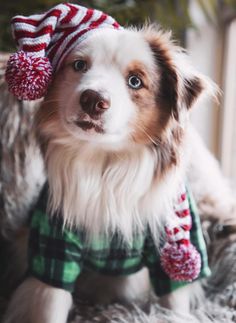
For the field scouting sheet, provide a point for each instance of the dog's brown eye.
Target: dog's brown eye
(135, 82)
(80, 65)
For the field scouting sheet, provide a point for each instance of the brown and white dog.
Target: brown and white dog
(114, 127)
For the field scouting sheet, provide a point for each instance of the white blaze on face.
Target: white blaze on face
(108, 54)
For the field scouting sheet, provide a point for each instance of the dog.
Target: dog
(115, 136)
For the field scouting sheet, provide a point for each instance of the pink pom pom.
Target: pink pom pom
(181, 262)
(27, 76)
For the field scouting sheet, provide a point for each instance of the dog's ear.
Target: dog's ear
(178, 84)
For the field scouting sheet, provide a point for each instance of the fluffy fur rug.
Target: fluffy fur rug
(21, 177)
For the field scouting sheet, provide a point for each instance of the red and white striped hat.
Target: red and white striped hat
(44, 40)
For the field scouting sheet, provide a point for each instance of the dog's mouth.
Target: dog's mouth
(89, 125)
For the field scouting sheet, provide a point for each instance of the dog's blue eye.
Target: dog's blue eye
(80, 65)
(135, 82)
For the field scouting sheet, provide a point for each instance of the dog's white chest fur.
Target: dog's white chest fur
(108, 192)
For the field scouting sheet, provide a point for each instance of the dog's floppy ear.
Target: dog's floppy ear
(191, 84)
(178, 84)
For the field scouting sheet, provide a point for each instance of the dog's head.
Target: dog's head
(117, 109)
(122, 87)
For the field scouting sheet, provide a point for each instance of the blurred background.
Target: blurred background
(207, 28)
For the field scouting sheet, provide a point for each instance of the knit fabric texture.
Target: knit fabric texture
(57, 31)
(43, 42)
(58, 255)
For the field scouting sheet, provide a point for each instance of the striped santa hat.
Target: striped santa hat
(44, 40)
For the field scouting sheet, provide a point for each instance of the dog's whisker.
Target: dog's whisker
(51, 101)
(154, 141)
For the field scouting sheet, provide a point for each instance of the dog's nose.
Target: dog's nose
(93, 102)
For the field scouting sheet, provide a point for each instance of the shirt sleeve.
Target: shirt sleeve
(54, 255)
(161, 282)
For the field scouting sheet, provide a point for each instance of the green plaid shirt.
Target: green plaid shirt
(57, 256)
